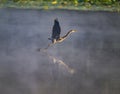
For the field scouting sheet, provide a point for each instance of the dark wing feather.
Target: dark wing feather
(56, 30)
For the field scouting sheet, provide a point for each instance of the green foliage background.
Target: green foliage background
(112, 5)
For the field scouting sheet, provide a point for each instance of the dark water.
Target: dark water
(88, 60)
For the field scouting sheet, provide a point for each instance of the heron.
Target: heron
(56, 31)
(55, 38)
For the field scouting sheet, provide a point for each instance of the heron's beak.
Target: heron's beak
(75, 30)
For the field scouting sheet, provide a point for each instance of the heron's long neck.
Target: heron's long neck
(69, 32)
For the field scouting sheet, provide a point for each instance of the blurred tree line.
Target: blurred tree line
(92, 2)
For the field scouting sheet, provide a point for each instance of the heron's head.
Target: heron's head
(73, 31)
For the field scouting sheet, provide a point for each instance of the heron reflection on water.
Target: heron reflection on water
(60, 62)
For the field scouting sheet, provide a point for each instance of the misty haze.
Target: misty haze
(86, 62)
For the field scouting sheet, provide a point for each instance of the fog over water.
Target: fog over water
(87, 62)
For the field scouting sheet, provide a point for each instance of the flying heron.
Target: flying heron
(55, 38)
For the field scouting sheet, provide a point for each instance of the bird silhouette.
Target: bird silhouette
(55, 38)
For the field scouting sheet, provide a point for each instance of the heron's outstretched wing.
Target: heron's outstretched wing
(56, 30)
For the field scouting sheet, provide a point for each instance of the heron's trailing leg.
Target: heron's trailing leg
(43, 49)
